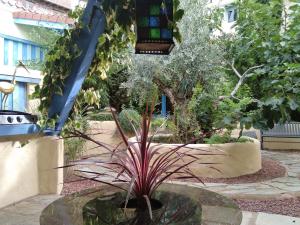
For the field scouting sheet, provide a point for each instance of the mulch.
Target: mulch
(288, 206)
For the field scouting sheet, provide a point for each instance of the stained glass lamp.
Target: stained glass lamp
(154, 34)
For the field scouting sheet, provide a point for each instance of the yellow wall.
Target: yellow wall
(29, 170)
(237, 159)
(240, 158)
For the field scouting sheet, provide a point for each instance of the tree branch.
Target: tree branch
(241, 79)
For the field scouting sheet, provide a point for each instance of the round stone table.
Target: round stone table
(183, 205)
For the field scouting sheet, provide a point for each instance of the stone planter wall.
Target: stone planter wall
(30, 170)
(105, 132)
(238, 158)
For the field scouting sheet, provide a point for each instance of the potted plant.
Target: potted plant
(137, 168)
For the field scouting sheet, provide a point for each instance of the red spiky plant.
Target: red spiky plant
(142, 165)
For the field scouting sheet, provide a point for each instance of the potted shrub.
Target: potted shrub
(138, 168)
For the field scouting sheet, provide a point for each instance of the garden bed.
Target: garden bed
(232, 159)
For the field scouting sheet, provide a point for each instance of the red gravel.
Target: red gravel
(289, 207)
(270, 169)
(77, 186)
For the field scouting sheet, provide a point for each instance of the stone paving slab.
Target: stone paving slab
(250, 218)
(290, 184)
(26, 212)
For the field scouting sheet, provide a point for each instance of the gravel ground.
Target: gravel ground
(289, 207)
(73, 187)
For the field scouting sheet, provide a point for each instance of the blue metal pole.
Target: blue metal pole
(94, 25)
(164, 106)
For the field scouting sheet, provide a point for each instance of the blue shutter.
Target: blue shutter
(9, 102)
(24, 52)
(33, 52)
(6, 42)
(15, 52)
(20, 97)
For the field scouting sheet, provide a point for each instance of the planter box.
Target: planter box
(238, 159)
(105, 132)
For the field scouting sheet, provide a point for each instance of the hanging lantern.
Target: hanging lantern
(154, 29)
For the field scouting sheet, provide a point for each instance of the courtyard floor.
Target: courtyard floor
(27, 212)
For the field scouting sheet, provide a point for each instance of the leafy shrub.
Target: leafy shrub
(226, 138)
(129, 118)
(74, 147)
(101, 116)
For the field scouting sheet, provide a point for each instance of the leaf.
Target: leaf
(177, 36)
(178, 15)
(101, 40)
(293, 104)
(129, 192)
(149, 206)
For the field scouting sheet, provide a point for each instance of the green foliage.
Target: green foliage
(129, 119)
(118, 95)
(118, 35)
(165, 125)
(275, 87)
(225, 138)
(195, 60)
(74, 146)
(101, 116)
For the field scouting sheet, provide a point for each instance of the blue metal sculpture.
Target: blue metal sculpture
(93, 27)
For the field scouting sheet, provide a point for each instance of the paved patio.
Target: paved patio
(283, 187)
(28, 211)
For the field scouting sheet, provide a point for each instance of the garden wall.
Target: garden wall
(238, 158)
(105, 132)
(29, 170)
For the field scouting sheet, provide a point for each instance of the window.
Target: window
(231, 14)
(15, 50)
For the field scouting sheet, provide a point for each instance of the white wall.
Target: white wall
(227, 27)
(7, 25)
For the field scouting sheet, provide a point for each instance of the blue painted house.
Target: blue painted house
(17, 18)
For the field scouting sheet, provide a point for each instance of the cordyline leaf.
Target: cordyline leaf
(129, 192)
(149, 206)
(103, 182)
(92, 172)
(214, 168)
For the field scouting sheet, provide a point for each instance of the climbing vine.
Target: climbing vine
(118, 35)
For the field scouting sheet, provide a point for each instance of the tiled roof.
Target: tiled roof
(64, 3)
(42, 17)
(27, 5)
